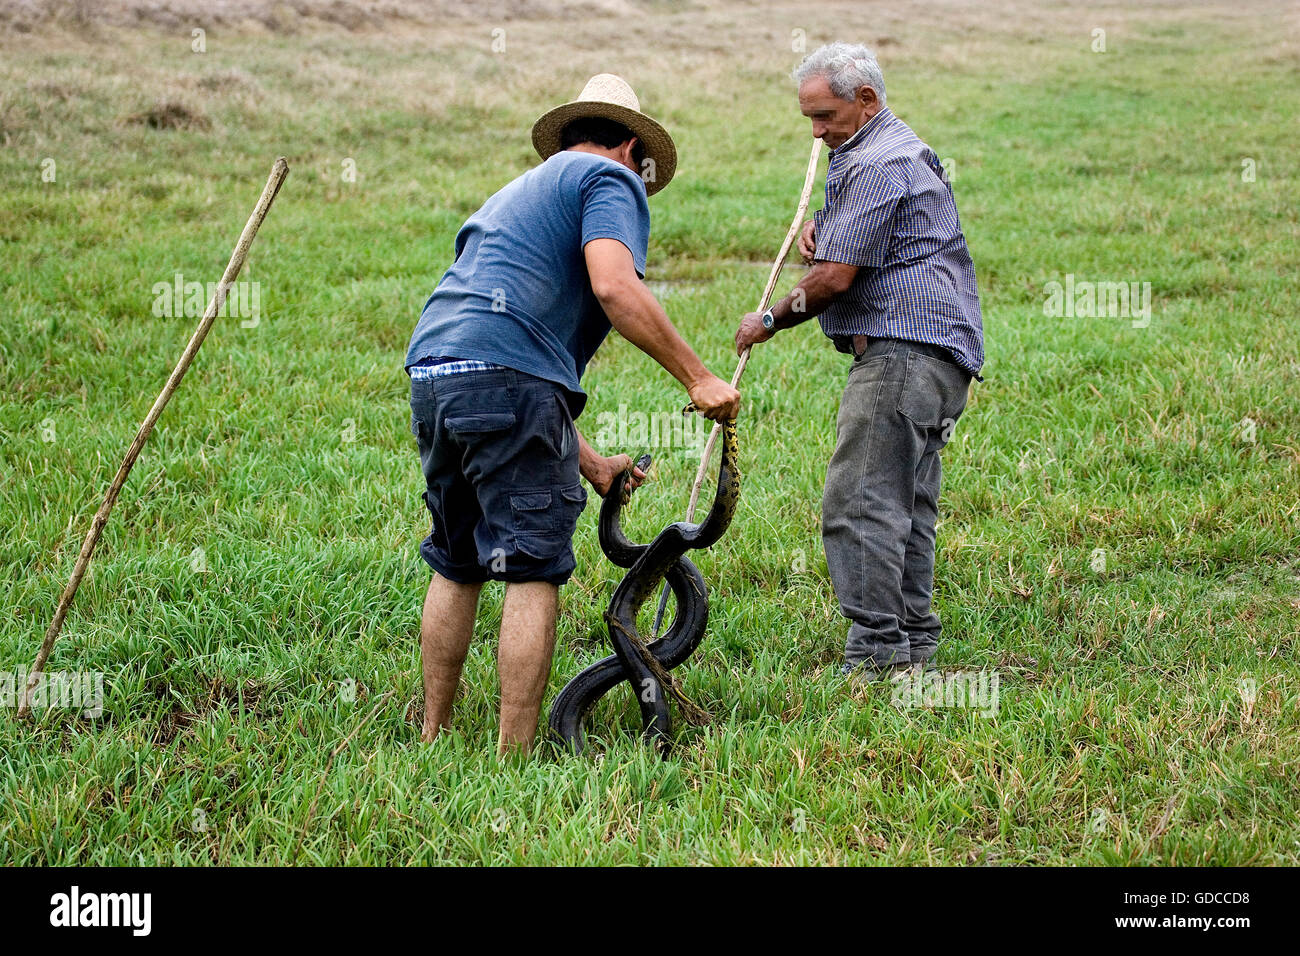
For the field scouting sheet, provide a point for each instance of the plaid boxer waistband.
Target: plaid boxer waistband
(438, 367)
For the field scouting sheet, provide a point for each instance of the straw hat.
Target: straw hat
(610, 97)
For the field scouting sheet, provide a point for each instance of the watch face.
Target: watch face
(768, 320)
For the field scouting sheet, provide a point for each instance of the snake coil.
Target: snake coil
(646, 665)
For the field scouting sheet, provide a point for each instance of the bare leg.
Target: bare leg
(445, 632)
(524, 660)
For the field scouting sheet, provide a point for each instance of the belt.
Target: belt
(858, 345)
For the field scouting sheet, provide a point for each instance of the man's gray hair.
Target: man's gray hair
(847, 68)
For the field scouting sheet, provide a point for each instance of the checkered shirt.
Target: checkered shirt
(890, 210)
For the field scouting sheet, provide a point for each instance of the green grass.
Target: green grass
(1122, 735)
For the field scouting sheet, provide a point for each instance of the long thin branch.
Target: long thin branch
(763, 303)
(278, 172)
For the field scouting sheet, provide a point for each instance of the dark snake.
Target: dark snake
(646, 665)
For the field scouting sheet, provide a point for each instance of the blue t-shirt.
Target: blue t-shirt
(518, 293)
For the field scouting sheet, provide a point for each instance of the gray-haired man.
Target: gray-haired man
(893, 283)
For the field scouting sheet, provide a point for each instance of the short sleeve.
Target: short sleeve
(614, 207)
(854, 228)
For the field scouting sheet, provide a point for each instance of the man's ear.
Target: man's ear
(867, 98)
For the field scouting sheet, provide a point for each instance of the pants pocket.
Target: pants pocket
(533, 524)
(566, 432)
(543, 521)
(933, 392)
(480, 423)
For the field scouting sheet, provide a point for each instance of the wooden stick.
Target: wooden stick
(278, 172)
(763, 303)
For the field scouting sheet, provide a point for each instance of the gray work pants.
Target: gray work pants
(881, 499)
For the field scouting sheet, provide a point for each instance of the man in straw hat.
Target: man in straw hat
(542, 271)
(893, 283)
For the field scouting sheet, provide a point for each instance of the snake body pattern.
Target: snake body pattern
(645, 665)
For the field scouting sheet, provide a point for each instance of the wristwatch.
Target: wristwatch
(769, 321)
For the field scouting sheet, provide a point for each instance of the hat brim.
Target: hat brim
(659, 147)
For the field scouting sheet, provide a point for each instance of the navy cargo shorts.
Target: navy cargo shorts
(499, 453)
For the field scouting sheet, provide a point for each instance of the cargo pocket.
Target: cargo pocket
(534, 525)
(929, 396)
(544, 521)
(575, 499)
(480, 423)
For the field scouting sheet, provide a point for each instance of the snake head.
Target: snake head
(625, 479)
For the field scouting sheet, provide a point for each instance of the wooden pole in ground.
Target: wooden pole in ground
(278, 172)
(763, 303)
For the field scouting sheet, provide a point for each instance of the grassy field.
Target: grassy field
(1121, 502)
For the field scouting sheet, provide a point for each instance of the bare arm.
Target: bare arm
(603, 472)
(637, 315)
(824, 283)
